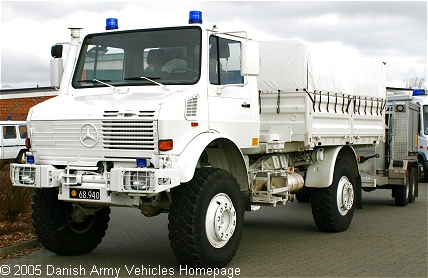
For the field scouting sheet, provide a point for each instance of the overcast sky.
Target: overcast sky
(392, 31)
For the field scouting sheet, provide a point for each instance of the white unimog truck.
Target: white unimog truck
(204, 124)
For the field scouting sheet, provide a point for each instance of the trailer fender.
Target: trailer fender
(320, 173)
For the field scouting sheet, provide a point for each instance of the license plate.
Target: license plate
(85, 194)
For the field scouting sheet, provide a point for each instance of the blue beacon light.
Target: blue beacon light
(418, 92)
(112, 24)
(195, 17)
(141, 162)
(30, 159)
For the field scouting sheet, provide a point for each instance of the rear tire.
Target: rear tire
(333, 207)
(56, 229)
(206, 219)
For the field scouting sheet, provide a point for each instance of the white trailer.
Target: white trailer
(204, 125)
(419, 97)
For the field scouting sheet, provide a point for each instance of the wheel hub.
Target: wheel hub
(345, 195)
(348, 196)
(220, 220)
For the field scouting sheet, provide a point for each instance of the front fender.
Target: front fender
(188, 158)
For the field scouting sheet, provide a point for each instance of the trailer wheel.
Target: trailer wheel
(206, 219)
(58, 231)
(404, 194)
(423, 171)
(401, 194)
(333, 207)
(413, 183)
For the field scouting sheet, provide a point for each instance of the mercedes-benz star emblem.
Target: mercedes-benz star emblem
(88, 135)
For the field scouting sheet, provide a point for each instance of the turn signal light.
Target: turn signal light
(28, 143)
(165, 145)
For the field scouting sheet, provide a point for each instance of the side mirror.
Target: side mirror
(57, 69)
(56, 51)
(250, 58)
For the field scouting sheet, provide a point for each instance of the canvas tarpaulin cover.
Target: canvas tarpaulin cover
(291, 65)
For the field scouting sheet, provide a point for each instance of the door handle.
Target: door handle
(245, 105)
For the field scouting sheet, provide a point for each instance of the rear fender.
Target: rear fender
(320, 173)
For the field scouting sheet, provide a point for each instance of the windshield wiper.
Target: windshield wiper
(111, 86)
(148, 79)
(116, 90)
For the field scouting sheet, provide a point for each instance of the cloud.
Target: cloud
(393, 31)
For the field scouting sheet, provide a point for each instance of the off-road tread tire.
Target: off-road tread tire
(324, 204)
(187, 220)
(53, 231)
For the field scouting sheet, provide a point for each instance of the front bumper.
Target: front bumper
(118, 187)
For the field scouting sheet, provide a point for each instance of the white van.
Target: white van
(12, 140)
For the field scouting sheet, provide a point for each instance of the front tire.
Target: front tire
(56, 229)
(206, 219)
(333, 207)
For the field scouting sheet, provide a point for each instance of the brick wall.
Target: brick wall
(18, 108)
(17, 102)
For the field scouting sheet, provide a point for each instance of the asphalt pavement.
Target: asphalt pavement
(384, 240)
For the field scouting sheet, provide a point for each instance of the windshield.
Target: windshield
(425, 119)
(166, 56)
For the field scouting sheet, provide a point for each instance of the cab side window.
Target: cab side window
(9, 132)
(225, 61)
(23, 132)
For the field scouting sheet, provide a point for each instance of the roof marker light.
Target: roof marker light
(112, 24)
(195, 17)
(418, 92)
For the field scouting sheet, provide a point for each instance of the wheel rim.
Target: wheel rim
(220, 221)
(413, 185)
(407, 191)
(421, 170)
(345, 195)
(80, 226)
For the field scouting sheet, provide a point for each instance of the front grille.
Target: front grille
(129, 134)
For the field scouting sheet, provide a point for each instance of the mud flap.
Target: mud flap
(358, 194)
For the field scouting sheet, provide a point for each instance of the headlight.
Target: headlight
(27, 176)
(136, 181)
(139, 181)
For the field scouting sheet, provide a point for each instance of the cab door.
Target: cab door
(10, 142)
(230, 110)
